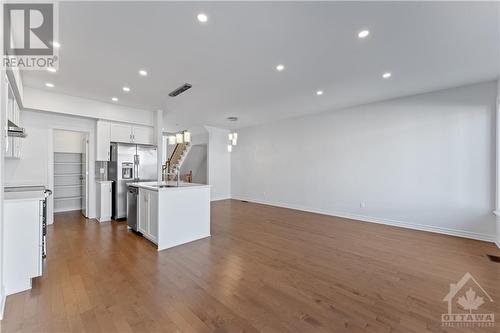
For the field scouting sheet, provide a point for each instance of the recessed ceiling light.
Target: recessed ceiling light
(202, 18)
(114, 99)
(126, 89)
(50, 85)
(319, 92)
(386, 75)
(143, 72)
(232, 118)
(56, 44)
(363, 33)
(280, 67)
(51, 69)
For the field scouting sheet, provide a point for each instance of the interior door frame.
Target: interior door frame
(85, 147)
(50, 168)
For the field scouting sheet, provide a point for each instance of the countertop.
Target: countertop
(182, 186)
(24, 192)
(24, 196)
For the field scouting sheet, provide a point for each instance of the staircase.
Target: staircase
(175, 161)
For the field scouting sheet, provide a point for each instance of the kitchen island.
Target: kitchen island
(171, 215)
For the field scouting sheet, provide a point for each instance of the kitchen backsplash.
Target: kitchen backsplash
(101, 166)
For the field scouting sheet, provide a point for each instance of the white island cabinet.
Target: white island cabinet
(148, 214)
(22, 239)
(173, 215)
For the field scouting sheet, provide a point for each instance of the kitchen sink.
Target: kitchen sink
(164, 186)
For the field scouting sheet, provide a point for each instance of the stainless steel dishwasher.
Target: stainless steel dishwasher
(132, 194)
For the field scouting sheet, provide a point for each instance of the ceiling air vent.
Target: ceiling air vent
(180, 90)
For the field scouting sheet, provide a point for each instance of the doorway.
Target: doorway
(71, 151)
(195, 164)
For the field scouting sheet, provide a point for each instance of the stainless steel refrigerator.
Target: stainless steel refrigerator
(129, 163)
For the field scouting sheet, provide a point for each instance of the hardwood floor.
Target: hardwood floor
(265, 269)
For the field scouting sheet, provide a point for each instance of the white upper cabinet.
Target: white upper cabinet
(132, 134)
(13, 144)
(121, 133)
(103, 140)
(143, 135)
(108, 131)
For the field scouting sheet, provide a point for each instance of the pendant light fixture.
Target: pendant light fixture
(233, 140)
(180, 137)
(187, 136)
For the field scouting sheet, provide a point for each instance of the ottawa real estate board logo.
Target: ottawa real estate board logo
(465, 299)
(29, 35)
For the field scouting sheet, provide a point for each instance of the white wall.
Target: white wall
(3, 116)
(219, 163)
(68, 141)
(425, 162)
(497, 210)
(37, 99)
(160, 143)
(36, 163)
(199, 138)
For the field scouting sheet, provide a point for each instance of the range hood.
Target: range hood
(15, 131)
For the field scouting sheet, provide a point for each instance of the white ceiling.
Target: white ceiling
(230, 60)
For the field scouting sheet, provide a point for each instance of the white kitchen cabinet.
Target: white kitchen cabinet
(142, 208)
(148, 214)
(132, 134)
(22, 239)
(103, 196)
(143, 135)
(173, 215)
(108, 132)
(103, 140)
(121, 133)
(13, 110)
(10, 104)
(13, 144)
(153, 216)
(14, 148)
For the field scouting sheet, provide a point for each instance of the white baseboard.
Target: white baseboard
(395, 223)
(2, 302)
(219, 198)
(70, 209)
